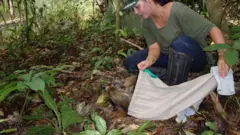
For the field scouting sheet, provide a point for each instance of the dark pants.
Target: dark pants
(183, 44)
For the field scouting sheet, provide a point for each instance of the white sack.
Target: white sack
(154, 100)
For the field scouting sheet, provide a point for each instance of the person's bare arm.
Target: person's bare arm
(153, 54)
(217, 37)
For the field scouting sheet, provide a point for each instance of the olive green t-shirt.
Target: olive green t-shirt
(182, 20)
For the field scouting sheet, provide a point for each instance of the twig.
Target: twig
(225, 105)
(224, 11)
(24, 104)
(140, 48)
(217, 105)
(220, 110)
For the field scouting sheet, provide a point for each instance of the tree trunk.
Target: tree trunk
(105, 5)
(217, 15)
(11, 9)
(26, 20)
(19, 9)
(117, 19)
(5, 4)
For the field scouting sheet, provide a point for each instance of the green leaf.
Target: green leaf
(132, 133)
(97, 58)
(50, 80)
(123, 54)
(19, 71)
(2, 74)
(231, 57)
(145, 125)
(86, 124)
(210, 125)
(236, 36)
(21, 86)
(37, 84)
(27, 77)
(101, 125)
(207, 133)
(217, 47)
(11, 77)
(98, 63)
(6, 89)
(51, 104)
(3, 120)
(90, 132)
(33, 117)
(41, 130)
(37, 75)
(114, 132)
(69, 116)
(2, 84)
(108, 59)
(236, 44)
(235, 29)
(130, 51)
(108, 66)
(61, 67)
(96, 49)
(8, 130)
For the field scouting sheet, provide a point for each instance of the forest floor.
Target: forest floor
(86, 84)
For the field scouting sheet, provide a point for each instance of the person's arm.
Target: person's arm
(153, 54)
(197, 27)
(217, 37)
(153, 46)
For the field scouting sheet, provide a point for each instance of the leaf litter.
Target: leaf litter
(87, 86)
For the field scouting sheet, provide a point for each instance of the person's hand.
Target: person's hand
(223, 68)
(144, 64)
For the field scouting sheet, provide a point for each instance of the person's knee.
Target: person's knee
(127, 63)
(187, 45)
(130, 65)
(190, 47)
(130, 62)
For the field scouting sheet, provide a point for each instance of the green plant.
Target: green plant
(211, 129)
(67, 117)
(145, 125)
(231, 50)
(125, 54)
(99, 125)
(6, 130)
(40, 81)
(122, 32)
(101, 60)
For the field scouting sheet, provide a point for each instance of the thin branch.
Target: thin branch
(100, 7)
(224, 11)
(140, 48)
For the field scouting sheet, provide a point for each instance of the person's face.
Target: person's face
(143, 8)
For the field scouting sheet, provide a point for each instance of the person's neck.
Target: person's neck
(158, 11)
(158, 15)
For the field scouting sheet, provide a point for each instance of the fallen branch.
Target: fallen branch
(220, 110)
(140, 48)
(217, 105)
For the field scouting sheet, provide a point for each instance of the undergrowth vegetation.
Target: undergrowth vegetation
(50, 38)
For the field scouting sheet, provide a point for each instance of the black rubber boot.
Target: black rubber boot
(179, 65)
